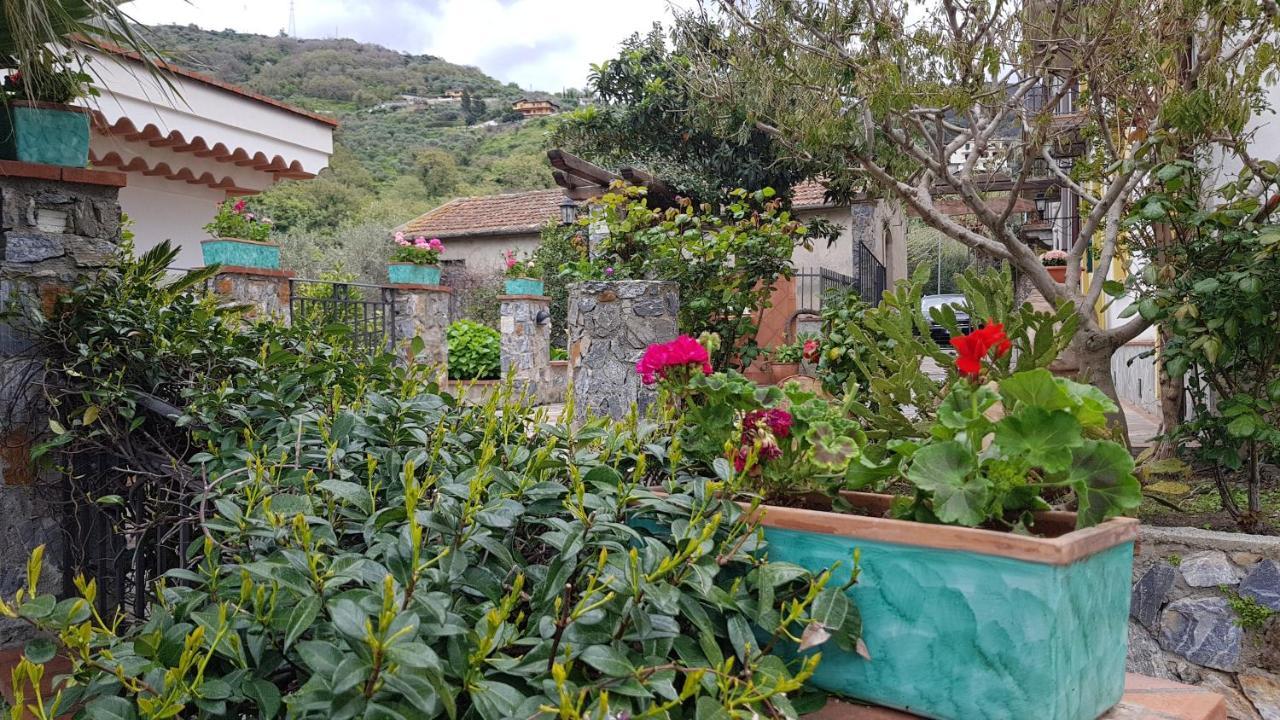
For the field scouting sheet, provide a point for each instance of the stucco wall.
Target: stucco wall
(165, 210)
(483, 254)
(1135, 376)
(881, 225)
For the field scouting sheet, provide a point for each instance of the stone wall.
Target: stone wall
(1183, 625)
(56, 226)
(423, 311)
(525, 322)
(610, 325)
(265, 292)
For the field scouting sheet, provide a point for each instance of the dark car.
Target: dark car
(940, 334)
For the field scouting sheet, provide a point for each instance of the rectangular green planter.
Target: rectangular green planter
(45, 133)
(962, 623)
(241, 253)
(524, 286)
(410, 274)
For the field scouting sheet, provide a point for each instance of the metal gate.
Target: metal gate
(368, 311)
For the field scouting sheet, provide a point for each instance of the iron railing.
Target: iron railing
(815, 285)
(369, 311)
(869, 274)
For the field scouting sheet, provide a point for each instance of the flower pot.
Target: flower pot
(524, 286)
(964, 623)
(411, 274)
(780, 371)
(46, 133)
(1057, 272)
(241, 253)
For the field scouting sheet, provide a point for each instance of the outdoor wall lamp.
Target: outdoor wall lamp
(568, 211)
(542, 318)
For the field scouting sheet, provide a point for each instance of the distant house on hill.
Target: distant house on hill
(530, 107)
(182, 154)
(454, 93)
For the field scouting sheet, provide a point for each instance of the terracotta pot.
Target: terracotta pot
(779, 372)
(758, 373)
(1057, 272)
(955, 619)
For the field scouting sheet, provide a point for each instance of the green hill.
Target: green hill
(400, 148)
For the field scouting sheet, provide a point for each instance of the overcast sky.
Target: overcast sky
(539, 44)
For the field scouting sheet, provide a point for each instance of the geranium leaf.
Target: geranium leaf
(1102, 475)
(1042, 438)
(944, 469)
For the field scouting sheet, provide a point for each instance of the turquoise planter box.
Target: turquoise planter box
(241, 253)
(410, 274)
(44, 133)
(963, 623)
(524, 286)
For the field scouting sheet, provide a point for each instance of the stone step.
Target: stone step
(1145, 698)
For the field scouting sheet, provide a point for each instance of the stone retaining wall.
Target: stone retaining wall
(610, 324)
(1190, 587)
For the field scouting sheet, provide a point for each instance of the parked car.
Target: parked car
(940, 334)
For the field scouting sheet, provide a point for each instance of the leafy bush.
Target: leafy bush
(475, 351)
(726, 259)
(235, 221)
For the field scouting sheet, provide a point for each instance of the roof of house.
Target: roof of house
(536, 100)
(113, 49)
(508, 214)
(523, 213)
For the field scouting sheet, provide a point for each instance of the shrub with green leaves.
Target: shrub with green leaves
(397, 556)
(475, 351)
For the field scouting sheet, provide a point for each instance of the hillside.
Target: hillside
(401, 148)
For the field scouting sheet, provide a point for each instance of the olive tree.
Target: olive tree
(885, 95)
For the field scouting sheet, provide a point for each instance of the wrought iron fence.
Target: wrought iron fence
(814, 285)
(869, 274)
(368, 310)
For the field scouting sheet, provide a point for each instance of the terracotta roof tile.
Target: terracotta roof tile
(809, 194)
(509, 214)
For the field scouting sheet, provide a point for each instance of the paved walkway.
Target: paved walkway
(1142, 426)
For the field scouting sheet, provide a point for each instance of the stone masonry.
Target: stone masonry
(1185, 624)
(423, 311)
(265, 292)
(610, 324)
(56, 226)
(525, 321)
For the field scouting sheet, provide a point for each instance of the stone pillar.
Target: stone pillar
(610, 325)
(57, 225)
(422, 311)
(526, 343)
(265, 292)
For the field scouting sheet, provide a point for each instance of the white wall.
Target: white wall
(483, 255)
(165, 210)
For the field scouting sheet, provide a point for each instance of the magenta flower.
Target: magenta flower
(239, 206)
(658, 359)
(608, 272)
(436, 245)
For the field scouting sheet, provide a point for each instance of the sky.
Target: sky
(538, 44)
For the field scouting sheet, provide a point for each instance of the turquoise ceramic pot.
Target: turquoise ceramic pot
(241, 253)
(963, 623)
(410, 274)
(524, 286)
(44, 133)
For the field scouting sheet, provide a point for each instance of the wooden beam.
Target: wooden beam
(575, 165)
(998, 183)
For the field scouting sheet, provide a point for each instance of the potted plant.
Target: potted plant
(38, 124)
(240, 238)
(523, 276)
(974, 594)
(786, 362)
(1056, 262)
(415, 262)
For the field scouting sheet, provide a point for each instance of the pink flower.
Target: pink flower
(608, 272)
(762, 428)
(658, 359)
(400, 237)
(239, 206)
(435, 244)
(248, 216)
(420, 242)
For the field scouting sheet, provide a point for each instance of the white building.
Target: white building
(188, 147)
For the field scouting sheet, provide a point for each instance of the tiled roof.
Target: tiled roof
(509, 214)
(808, 194)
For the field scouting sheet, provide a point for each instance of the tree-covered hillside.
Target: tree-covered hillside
(400, 148)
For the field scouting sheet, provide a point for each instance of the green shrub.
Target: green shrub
(475, 351)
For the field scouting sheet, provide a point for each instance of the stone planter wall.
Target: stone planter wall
(610, 325)
(57, 225)
(525, 322)
(1183, 627)
(423, 311)
(264, 292)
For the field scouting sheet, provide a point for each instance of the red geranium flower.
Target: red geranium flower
(658, 359)
(811, 348)
(972, 348)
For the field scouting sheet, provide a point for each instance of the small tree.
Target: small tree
(1218, 295)
(883, 101)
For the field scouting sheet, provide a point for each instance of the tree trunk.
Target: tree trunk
(1172, 394)
(1091, 355)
